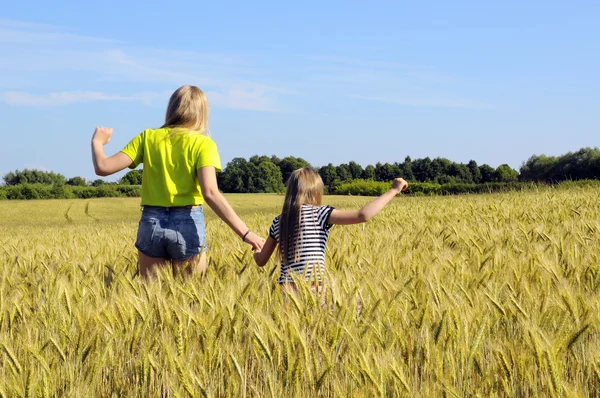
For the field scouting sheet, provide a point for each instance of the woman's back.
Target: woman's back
(171, 162)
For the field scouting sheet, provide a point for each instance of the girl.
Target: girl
(302, 228)
(180, 164)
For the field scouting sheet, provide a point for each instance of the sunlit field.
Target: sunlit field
(486, 295)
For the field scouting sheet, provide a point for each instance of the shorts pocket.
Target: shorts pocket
(145, 234)
(191, 234)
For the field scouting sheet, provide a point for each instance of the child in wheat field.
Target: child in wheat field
(302, 228)
(180, 163)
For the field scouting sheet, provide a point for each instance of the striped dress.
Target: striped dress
(314, 231)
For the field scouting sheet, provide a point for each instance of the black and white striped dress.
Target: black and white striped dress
(314, 231)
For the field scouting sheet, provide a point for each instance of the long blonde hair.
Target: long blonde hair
(304, 187)
(187, 111)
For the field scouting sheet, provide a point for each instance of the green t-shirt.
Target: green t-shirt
(170, 166)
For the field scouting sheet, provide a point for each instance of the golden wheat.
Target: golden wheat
(490, 295)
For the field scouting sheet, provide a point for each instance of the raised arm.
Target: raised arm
(345, 217)
(103, 165)
(215, 199)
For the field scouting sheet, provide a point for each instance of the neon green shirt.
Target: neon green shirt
(170, 170)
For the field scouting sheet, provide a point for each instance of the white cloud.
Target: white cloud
(20, 98)
(20, 32)
(45, 65)
(79, 65)
(235, 99)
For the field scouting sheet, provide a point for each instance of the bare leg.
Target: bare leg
(192, 266)
(147, 265)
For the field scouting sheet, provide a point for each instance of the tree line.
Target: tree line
(268, 174)
(20, 177)
(263, 174)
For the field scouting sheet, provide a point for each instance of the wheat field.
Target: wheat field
(487, 295)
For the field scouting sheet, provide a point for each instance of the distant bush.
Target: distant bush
(62, 191)
(375, 188)
(423, 188)
(107, 191)
(579, 184)
(14, 192)
(360, 187)
(130, 191)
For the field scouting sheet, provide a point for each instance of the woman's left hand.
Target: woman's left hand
(255, 241)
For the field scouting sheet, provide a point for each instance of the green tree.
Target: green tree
(487, 173)
(581, 164)
(288, 164)
(268, 178)
(329, 176)
(407, 169)
(259, 159)
(133, 177)
(440, 168)
(369, 172)
(460, 172)
(252, 178)
(33, 177)
(475, 171)
(343, 172)
(77, 181)
(386, 172)
(422, 169)
(504, 173)
(538, 168)
(233, 179)
(355, 169)
(275, 160)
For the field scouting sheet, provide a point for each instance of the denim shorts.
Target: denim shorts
(176, 233)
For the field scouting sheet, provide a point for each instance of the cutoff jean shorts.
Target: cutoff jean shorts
(176, 233)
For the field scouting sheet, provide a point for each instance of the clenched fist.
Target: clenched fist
(102, 135)
(399, 184)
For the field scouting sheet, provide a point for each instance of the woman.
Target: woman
(179, 175)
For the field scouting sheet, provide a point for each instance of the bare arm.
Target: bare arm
(103, 165)
(261, 257)
(215, 199)
(345, 217)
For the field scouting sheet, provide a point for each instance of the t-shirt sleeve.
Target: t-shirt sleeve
(324, 213)
(135, 150)
(209, 155)
(274, 230)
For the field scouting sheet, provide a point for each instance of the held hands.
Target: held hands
(102, 135)
(399, 185)
(255, 241)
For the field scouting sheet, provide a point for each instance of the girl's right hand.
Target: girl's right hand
(102, 135)
(399, 184)
(255, 241)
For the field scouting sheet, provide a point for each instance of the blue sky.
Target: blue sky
(326, 81)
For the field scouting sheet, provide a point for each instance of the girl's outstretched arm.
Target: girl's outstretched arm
(105, 166)
(207, 177)
(368, 211)
(262, 256)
